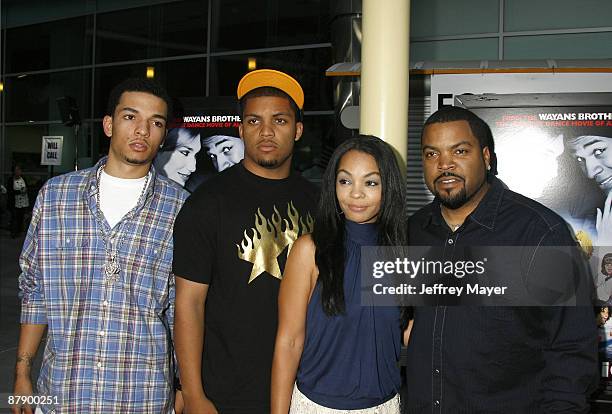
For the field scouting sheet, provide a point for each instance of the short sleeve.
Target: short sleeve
(195, 238)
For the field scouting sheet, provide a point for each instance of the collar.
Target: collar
(363, 234)
(485, 213)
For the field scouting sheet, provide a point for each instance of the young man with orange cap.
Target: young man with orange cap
(232, 239)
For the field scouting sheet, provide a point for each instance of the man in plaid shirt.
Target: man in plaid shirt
(96, 273)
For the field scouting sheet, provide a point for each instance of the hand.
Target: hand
(604, 223)
(199, 405)
(23, 386)
(179, 404)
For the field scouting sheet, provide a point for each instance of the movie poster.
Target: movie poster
(562, 157)
(201, 142)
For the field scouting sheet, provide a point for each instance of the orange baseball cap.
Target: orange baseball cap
(272, 78)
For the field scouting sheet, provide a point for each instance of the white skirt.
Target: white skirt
(300, 404)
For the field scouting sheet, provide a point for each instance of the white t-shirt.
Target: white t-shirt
(118, 196)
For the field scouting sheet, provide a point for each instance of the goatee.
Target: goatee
(456, 201)
(453, 201)
(270, 164)
(136, 161)
(448, 200)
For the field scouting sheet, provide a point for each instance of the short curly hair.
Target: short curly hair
(479, 128)
(137, 85)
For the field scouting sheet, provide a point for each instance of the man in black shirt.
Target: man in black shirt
(473, 359)
(231, 240)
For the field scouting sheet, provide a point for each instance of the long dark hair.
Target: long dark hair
(328, 235)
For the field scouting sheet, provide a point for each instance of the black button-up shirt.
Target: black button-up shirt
(469, 359)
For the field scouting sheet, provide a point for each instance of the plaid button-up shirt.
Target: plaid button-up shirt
(108, 344)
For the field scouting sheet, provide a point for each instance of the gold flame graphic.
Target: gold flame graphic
(270, 237)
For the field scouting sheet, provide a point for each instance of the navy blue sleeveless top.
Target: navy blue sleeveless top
(349, 361)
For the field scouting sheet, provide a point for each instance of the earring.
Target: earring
(488, 168)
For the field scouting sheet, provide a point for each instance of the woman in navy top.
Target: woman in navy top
(331, 352)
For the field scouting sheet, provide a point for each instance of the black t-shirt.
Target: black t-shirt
(234, 234)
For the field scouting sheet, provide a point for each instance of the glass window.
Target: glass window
(22, 147)
(556, 14)
(312, 151)
(34, 97)
(586, 46)
(467, 49)
(172, 29)
(79, 146)
(99, 141)
(181, 78)
(450, 17)
(239, 24)
(307, 66)
(22, 13)
(57, 44)
(112, 5)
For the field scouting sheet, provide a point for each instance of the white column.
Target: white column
(385, 71)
